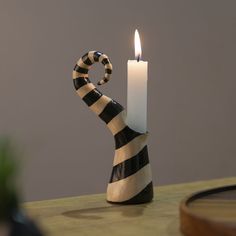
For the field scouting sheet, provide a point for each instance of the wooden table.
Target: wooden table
(92, 215)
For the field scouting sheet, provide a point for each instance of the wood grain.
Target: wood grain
(210, 212)
(92, 215)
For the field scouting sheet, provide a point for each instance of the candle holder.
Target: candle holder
(131, 179)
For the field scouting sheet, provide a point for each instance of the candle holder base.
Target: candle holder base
(145, 196)
(131, 179)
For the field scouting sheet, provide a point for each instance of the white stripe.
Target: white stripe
(108, 76)
(76, 74)
(117, 123)
(108, 66)
(103, 56)
(130, 149)
(100, 104)
(101, 82)
(129, 187)
(82, 91)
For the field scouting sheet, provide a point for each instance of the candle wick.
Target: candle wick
(138, 58)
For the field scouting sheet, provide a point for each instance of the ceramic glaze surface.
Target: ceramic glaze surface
(131, 179)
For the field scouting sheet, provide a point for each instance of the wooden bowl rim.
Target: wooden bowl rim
(185, 210)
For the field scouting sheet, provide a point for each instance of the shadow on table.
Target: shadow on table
(100, 212)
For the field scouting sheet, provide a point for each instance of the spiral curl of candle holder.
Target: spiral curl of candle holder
(131, 179)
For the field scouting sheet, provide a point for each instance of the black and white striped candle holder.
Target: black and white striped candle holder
(131, 179)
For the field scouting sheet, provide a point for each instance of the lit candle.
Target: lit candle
(137, 90)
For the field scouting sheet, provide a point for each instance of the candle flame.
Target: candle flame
(137, 46)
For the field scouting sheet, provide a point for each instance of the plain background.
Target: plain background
(191, 49)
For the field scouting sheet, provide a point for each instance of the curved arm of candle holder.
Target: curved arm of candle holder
(131, 180)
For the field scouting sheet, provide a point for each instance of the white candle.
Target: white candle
(137, 90)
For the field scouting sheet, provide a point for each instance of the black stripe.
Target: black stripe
(91, 97)
(96, 56)
(146, 195)
(125, 136)
(81, 69)
(87, 61)
(111, 110)
(130, 166)
(108, 71)
(105, 61)
(80, 81)
(105, 80)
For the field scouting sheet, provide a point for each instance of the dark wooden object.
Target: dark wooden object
(210, 213)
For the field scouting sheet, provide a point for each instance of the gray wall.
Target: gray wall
(190, 46)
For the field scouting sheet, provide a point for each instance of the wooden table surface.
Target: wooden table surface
(92, 215)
